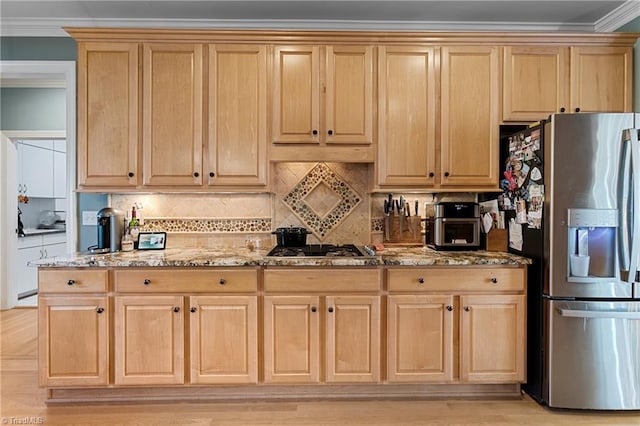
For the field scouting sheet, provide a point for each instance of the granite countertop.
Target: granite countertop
(29, 232)
(203, 257)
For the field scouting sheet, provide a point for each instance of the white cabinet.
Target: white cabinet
(32, 248)
(59, 174)
(36, 171)
(42, 170)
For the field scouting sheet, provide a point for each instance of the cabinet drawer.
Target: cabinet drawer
(72, 281)
(332, 280)
(457, 279)
(186, 281)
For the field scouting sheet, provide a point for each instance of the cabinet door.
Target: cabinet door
(59, 174)
(108, 114)
(172, 114)
(224, 339)
(349, 94)
(353, 338)
(296, 94)
(492, 338)
(406, 115)
(149, 345)
(291, 339)
(420, 338)
(37, 171)
(73, 341)
(602, 79)
(469, 117)
(535, 82)
(237, 115)
(26, 277)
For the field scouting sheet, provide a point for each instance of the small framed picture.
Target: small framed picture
(152, 240)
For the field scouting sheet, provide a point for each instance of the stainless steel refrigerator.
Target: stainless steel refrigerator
(571, 192)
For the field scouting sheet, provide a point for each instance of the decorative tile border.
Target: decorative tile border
(193, 225)
(322, 174)
(377, 224)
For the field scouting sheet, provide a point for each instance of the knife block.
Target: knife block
(403, 229)
(497, 240)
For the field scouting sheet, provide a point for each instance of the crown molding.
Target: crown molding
(53, 27)
(620, 16)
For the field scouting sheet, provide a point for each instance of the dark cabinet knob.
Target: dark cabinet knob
(130, 174)
(446, 174)
(494, 280)
(314, 309)
(330, 132)
(196, 174)
(314, 132)
(193, 309)
(147, 281)
(577, 109)
(211, 174)
(421, 280)
(222, 281)
(71, 282)
(563, 109)
(331, 309)
(100, 310)
(467, 309)
(176, 309)
(431, 174)
(449, 308)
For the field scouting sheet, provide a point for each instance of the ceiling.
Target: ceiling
(47, 17)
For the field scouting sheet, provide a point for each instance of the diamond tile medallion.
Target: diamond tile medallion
(321, 200)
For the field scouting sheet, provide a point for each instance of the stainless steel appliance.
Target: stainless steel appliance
(110, 230)
(572, 194)
(455, 226)
(317, 250)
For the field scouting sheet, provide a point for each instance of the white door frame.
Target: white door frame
(30, 70)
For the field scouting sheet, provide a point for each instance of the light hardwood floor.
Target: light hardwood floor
(22, 400)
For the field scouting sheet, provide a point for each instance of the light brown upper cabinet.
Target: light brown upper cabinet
(323, 94)
(237, 137)
(540, 80)
(535, 82)
(407, 95)
(172, 114)
(470, 103)
(601, 79)
(108, 114)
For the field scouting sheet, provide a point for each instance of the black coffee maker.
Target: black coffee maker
(110, 230)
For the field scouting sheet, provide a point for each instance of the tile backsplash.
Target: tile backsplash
(330, 199)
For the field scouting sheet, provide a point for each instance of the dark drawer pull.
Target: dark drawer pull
(100, 310)
(331, 310)
(222, 281)
(420, 280)
(176, 309)
(193, 309)
(314, 309)
(71, 282)
(146, 281)
(449, 308)
(467, 309)
(494, 280)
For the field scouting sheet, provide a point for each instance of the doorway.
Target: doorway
(28, 74)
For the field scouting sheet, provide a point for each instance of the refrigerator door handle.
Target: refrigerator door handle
(625, 192)
(573, 313)
(635, 176)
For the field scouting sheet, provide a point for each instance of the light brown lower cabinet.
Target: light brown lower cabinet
(420, 338)
(294, 346)
(148, 327)
(149, 340)
(73, 340)
(223, 339)
(492, 338)
(476, 333)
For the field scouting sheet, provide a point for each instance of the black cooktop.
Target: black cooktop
(317, 250)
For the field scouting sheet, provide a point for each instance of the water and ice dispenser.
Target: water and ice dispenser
(592, 244)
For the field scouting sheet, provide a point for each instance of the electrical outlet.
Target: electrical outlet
(89, 218)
